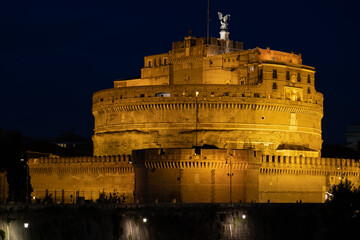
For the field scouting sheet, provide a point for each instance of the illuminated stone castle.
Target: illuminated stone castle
(206, 122)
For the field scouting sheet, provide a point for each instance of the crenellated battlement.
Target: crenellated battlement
(284, 165)
(313, 161)
(81, 165)
(191, 159)
(117, 159)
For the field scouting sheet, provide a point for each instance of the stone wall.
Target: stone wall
(185, 175)
(192, 175)
(306, 179)
(134, 118)
(68, 178)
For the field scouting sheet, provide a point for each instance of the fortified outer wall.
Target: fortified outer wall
(188, 176)
(192, 175)
(285, 179)
(68, 178)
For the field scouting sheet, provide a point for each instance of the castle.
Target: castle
(207, 122)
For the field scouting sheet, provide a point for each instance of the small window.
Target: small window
(309, 91)
(226, 94)
(256, 95)
(299, 77)
(149, 63)
(274, 86)
(242, 95)
(251, 69)
(274, 73)
(142, 95)
(101, 99)
(287, 75)
(165, 61)
(308, 79)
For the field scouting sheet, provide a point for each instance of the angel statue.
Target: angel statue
(224, 20)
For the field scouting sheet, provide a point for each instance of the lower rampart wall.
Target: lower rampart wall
(66, 179)
(188, 175)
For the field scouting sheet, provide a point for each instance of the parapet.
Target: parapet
(275, 164)
(115, 159)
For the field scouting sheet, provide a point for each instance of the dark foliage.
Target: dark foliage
(114, 197)
(344, 209)
(13, 160)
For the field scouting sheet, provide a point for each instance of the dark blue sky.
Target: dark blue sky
(55, 54)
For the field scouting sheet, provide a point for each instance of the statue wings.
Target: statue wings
(223, 18)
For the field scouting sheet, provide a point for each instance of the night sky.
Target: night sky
(55, 54)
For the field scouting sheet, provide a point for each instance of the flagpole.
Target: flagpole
(207, 23)
(197, 118)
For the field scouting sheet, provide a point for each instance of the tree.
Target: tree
(345, 196)
(344, 209)
(13, 159)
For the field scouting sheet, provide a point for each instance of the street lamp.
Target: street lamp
(197, 117)
(27, 180)
(230, 174)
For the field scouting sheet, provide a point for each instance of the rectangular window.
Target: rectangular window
(251, 69)
(165, 61)
(287, 75)
(274, 86)
(149, 63)
(308, 79)
(299, 77)
(260, 74)
(256, 95)
(274, 75)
